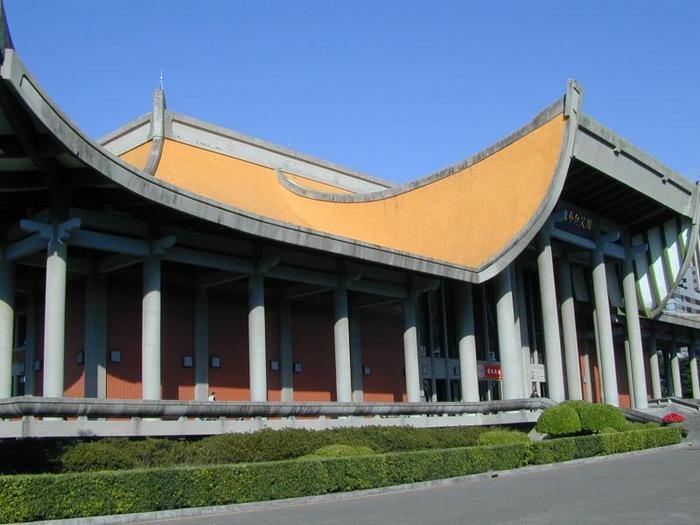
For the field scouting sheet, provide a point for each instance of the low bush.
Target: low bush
(636, 425)
(57, 496)
(340, 451)
(595, 417)
(565, 449)
(503, 437)
(560, 420)
(34, 456)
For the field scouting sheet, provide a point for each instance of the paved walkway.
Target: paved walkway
(659, 487)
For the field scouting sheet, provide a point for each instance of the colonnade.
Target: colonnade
(557, 309)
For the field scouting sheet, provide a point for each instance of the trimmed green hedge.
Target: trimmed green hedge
(34, 456)
(340, 451)
(503, 437)
(565, 449)
(56, 496)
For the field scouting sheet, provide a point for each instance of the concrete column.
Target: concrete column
(628, 366)
(568, 326)
(654, 368)
(634, 336)
(550, 320)
(7, 322)
(410, 350)
(256, 338)
(469, 375)
(596, 336)
(511, 362)
(341, 337)
(693, 363)
(286, 356)
(201, 344)
(55, 318)
(96, 336)
(668, 374)
(676, 372)
(602, 307)
(524, 325)
(356, 374)
(150, 326)
(589, 377)
(30, 351)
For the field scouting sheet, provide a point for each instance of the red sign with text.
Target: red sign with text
(493, 372)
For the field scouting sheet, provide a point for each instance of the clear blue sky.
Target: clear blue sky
(396, 89)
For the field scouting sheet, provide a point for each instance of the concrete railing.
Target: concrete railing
(136, 408)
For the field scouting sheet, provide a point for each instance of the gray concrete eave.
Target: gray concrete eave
(129, 136)
(189, 130)
(688, 321)
(605, 150)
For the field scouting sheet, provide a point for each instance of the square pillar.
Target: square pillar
(341, 338)
(286, 352)
(96, 336)
(201, 344)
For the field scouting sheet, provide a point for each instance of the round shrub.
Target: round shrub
(503, 437)
(578, 405)
(340, 451)
(596, 417)
(559, 421)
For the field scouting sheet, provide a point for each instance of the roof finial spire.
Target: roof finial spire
(161, 80)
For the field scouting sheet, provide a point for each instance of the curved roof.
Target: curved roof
(466, 222)
(465, 218)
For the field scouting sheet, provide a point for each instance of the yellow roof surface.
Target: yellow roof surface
(464, 219)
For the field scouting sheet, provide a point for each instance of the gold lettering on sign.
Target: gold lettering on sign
(583, 222)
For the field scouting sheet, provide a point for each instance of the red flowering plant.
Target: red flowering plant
(673, 417)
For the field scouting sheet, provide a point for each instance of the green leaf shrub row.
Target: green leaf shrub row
(56, 496)
(566, 449)
(503, 437)
(38, 455)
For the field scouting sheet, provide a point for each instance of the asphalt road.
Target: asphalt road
(652, 488)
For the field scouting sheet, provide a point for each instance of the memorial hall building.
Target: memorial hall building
(180, 277)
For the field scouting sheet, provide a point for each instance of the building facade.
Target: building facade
(174, 260)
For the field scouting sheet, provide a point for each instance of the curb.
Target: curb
(340, 496)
